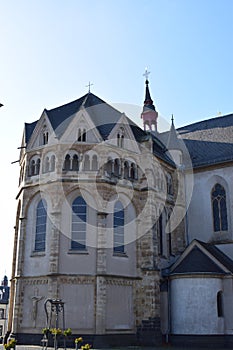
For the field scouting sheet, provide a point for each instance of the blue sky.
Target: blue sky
(50, 50)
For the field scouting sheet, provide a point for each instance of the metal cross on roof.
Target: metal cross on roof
(146, 74)
(89, 86)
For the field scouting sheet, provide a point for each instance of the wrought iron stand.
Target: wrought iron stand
(54, 307)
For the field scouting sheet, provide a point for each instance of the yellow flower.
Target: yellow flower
(78, 340)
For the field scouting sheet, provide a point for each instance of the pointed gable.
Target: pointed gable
(102, 114)
(202, 258)
(197, 262)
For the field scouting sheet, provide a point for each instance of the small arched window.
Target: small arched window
(219, 208)
(75, 163)
(118, 140)
(118, 227)
(122, 141)
(79, 219)
(37, 166)
(45, 138)
(41, 222)
(46, 168)
(116, 167)
(169, 184)
(53, 162)
(33, 168)
(126, 170)
(67, 162)
(133, 171)
(94, 163)
(87, 162)
(220, 304)
(82, 135)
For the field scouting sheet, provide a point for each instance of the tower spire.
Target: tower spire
(149, 113)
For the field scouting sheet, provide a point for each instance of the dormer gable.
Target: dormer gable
(81, 129)
(42, 134)
(122, 135)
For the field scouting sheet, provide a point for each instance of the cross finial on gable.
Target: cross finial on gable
(89, 87)
(146, 74)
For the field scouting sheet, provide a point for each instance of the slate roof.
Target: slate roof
(104, 117)
(219, 255)
(209, 142)
(197, 261)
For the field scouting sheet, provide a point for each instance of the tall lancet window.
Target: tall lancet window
(118, 225)
(41, 223)
(219, 207)
(79, 220)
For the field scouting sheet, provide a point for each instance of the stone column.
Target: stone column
(101, 270)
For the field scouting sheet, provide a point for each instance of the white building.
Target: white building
(102, 224)
(4, 300)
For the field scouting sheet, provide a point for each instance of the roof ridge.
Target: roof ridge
(205, 120)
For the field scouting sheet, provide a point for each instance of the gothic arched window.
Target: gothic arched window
(126, 170)
(118, 226)
(86, 162)
(117, 167)
(79, 219)
(218, 197)
(67, 162)
(75, 163)
(53, 160)
(94, 162)
(41, 221)
(46, 167)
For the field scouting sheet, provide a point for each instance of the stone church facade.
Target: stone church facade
(102, 224)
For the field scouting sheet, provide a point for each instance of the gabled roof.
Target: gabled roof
(104, 117)
(209, 142)
(202, 258)
(213, 123)
(29, 127)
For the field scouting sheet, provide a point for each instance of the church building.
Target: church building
(129, 227)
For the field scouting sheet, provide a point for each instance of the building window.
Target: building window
(45, 138)
(219, 208)
(120, 138)
(117, 167)
(161, 234)
(220, 304)
(2, 314)
(82, 135)
(1, 330)
(126, 170)
(86, 163)
(53, 160)
(75, 163)
(79, 219)
(94, 163)
(41, 222)
(118, 225)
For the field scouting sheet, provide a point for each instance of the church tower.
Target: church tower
(149, 113)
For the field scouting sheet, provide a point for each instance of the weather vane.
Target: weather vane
(146, 74)
(89, 87)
